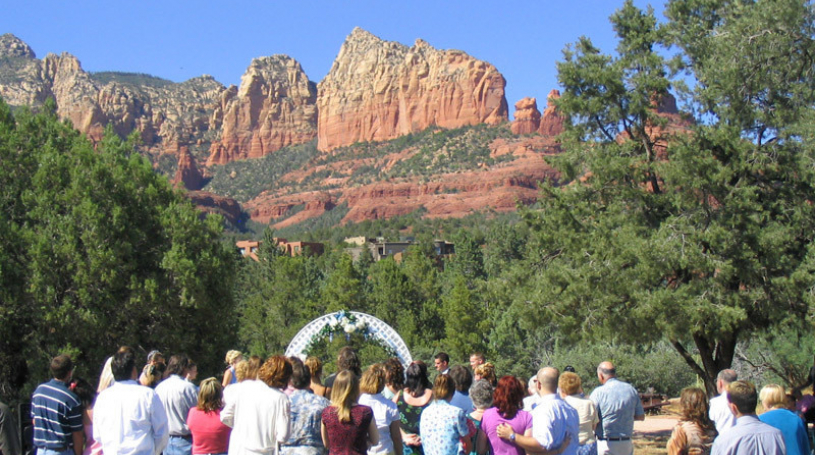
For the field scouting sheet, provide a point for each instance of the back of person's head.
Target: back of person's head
(155, 356)
(315, 367)
(232, 356)
(743, 395)
(373, 379)
(416, 380)
(442, 357)
(481, 394)
(509, 396)
(210, 395)
(394, 373)
(300, 376)
(486, 371)
(123, 363)
(773, 396)
(61, 367)
(547, 379)
(695, 407)
(569, 383)
(106, 377)
(607, 369)
(253, 367)
(240, 370)
(347, 359)
(344, 394)
(444, 388)
(177, 365)
(84, 391)
(727, 376)
(275, 372)
(462, 378)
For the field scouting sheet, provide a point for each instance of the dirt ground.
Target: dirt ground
(651, 435)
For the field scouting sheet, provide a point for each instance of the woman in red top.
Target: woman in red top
(348, 428)
(209, 435)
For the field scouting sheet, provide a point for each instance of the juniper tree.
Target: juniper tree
(699, 235)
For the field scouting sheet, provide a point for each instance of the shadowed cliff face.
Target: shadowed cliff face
(378, 90)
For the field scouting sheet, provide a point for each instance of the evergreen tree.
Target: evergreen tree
(700, 235)
(97, 250)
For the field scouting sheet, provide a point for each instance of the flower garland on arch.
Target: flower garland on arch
(346, 322)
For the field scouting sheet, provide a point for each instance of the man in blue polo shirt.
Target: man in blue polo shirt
(618, 406)
(57, 413)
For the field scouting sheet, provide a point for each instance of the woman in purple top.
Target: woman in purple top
(507, 408)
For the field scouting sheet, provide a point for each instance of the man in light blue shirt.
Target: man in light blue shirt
(554, 422)
(618, 406)
(749, 436)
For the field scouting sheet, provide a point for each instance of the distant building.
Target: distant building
(381, 249)
(249, 248)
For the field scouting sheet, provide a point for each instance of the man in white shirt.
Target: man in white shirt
(719, 406)
(554, 422)
(128, 418)
(178, 396)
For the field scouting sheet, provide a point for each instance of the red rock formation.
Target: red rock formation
(552, 120)
(187, 173)
(527, 117)
(499, 188)
(206, 202)
(274, 107)
(378, 90)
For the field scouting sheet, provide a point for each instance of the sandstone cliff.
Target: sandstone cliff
(527, 116)
(378, 90)
(552, 120)
(274, 107)
(162, 112)
(187, 174)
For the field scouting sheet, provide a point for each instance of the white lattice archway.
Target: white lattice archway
(375, 328)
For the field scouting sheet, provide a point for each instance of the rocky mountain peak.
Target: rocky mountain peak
(11, 46)
(378, 90)
(274, 107)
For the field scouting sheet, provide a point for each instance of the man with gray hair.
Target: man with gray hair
(618, 406)
(719, 406)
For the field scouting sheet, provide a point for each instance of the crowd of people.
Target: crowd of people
(283, 406)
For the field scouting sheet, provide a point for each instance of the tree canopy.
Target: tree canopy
(97, 251)
(699, 229)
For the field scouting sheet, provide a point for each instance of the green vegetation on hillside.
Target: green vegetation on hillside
(436, 151)
(246, 179)
(135, 79)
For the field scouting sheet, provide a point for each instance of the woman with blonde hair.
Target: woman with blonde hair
(232, 359)
(774, 399)
(694, 433)
(442, 425)
(315, 369)
(348, 427)
(386, 413)
(485, 371)
(209, 435)
(571, 388)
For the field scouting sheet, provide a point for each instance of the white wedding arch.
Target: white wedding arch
(349, 322)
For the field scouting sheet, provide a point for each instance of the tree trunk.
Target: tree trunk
(715, 356)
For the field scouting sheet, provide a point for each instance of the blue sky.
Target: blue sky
(180, 39)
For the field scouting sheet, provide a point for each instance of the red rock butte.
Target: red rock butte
(378, 90)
